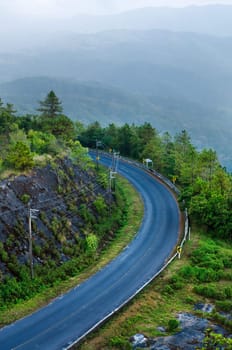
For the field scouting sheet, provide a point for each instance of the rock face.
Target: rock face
(189, 337)
(139, 341)
(64, 195)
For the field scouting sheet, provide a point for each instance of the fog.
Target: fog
(26, 25)
(65, 8)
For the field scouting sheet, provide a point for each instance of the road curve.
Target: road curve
(68, 318)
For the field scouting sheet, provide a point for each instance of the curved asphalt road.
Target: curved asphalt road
(74, 314)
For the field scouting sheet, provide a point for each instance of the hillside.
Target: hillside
(61, 192)
(89, 101)
(172, 79)
(168, 64)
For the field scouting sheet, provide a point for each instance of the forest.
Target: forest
(33, 140)
(206, 187)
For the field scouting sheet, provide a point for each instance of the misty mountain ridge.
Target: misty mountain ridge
(209, 19)
(165, 74)
(180, 65)
(184, 19)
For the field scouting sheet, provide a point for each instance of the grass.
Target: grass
(155, 306)
(122, 238)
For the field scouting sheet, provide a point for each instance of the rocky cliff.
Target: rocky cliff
(70, 203)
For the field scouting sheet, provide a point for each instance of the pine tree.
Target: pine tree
(1, 104)
(51, 106)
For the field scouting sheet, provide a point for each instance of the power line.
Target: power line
(55, 200)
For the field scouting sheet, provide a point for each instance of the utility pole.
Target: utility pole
(111, 177)
(114, 169)
(32, 215)
(98, 143)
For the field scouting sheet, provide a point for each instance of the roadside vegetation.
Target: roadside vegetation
(203, 273)
(75, 270)
(184, 284)
(50, 140)
(206, 187)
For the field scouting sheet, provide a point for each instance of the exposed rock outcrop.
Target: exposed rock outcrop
(64, 195)
(190, 337)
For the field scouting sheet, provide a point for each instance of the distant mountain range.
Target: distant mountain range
(172, 67)
(181, 65)
(212, 20)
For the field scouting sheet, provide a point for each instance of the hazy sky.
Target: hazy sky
(65, 8)
(25, 23)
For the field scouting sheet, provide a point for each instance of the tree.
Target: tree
(7, 122)
(110, 138)
(125, 144)
(185, 158)
(1, 104)
(208, 163)
(146, 133)
(28, 122)
(79, 154)
(62, 127)
(10, 109)
(19, 156)
(168, 155)
(42, 142)
(51, 106)
(93, 133)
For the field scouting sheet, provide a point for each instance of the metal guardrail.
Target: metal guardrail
(177, 254)
(177, 191)
(169, 184)
(158, 175)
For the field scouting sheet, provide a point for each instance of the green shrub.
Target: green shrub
(168, 289)
(216, 341)
(91, 243)
(25, 198)
(210, 292)
(173, 324)
(120, 343)
(19, 156)
(226, 275)
(100, 205)
(227, 260)
(201, 274)
(177, 282)
(228, 292)
(224, 305)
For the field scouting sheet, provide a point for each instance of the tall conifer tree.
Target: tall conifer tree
(51, 106)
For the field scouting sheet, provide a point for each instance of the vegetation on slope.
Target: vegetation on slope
(133, 211)
(206, 189)
(171, 293)
(205, 272)
(72, 225)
